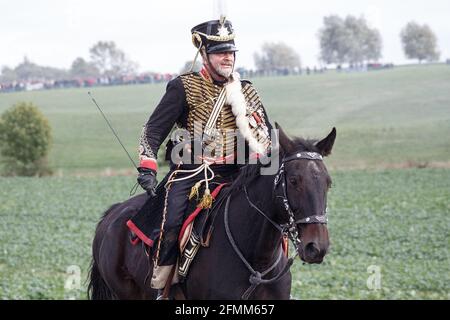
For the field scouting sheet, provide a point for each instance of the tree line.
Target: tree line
(351, 41)
(348, 40)
(106, 60)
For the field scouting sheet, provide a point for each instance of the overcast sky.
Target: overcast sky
(156, 34)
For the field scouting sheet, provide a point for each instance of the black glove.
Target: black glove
(147, 180)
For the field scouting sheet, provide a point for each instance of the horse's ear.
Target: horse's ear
(285, 142)
(326, 144)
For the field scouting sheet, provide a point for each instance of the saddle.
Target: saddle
(197, 227)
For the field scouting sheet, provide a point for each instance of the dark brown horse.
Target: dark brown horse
(244, 258)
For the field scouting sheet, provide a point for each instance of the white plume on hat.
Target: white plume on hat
(220, 8)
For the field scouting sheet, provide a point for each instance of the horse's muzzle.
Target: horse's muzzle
(314, 242)
(312, 253)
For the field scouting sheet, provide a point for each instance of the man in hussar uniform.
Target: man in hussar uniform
(210, 104)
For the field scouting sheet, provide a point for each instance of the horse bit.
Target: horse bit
(288, 229)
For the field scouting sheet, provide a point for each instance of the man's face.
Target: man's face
(222, 63)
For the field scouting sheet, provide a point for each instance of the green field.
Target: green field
(397, 220)
(392, 118)
(381, 216)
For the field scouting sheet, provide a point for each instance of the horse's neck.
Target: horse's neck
(266, 246)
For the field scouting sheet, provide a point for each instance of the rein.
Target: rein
(289, 228)
(255, 276)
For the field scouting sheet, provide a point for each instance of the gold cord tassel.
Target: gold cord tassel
(194, 190)
(207, 200)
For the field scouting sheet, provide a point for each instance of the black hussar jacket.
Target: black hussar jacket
(188, 104)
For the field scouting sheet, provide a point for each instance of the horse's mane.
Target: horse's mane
(251, 171)
(301, 144)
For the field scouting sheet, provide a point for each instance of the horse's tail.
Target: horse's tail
(97, 287)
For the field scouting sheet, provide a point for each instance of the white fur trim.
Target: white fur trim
(236, 99)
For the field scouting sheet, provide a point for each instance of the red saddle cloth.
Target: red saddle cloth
(190, 219)
(150, 236)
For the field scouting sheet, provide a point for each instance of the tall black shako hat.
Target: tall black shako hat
(215, 36)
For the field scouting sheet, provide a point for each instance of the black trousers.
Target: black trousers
(177, 203)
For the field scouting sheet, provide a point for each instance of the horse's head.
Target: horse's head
(301, 185)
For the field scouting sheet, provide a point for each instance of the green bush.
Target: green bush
(25, 139)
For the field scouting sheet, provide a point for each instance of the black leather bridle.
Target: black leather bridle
(290, 228)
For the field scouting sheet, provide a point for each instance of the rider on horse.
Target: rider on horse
(209, 103)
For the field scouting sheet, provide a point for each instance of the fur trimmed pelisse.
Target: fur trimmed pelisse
(240, 111)
(236, 99)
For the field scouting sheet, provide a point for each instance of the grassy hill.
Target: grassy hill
(391, 118)
(393, 220)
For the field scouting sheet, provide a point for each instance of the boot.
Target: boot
(160, 294)
(168, 255)
(160, 276)
(171, 278)
(168, 250)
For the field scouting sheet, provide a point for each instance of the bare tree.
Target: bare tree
(348, 41)
(110, 60)
(333, 40)
(8, 75)
(82, 68)
(277, 57)
(364, 42)
(28, 70)
(419, 42)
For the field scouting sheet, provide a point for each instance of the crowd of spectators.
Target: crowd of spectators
(41, 84)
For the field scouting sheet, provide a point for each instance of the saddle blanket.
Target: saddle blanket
(146, 223)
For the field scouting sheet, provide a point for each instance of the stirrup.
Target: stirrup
(159, 295)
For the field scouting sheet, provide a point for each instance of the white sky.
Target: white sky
(156, 34)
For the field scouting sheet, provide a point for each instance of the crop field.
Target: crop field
(395, 220)
(389, 205)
